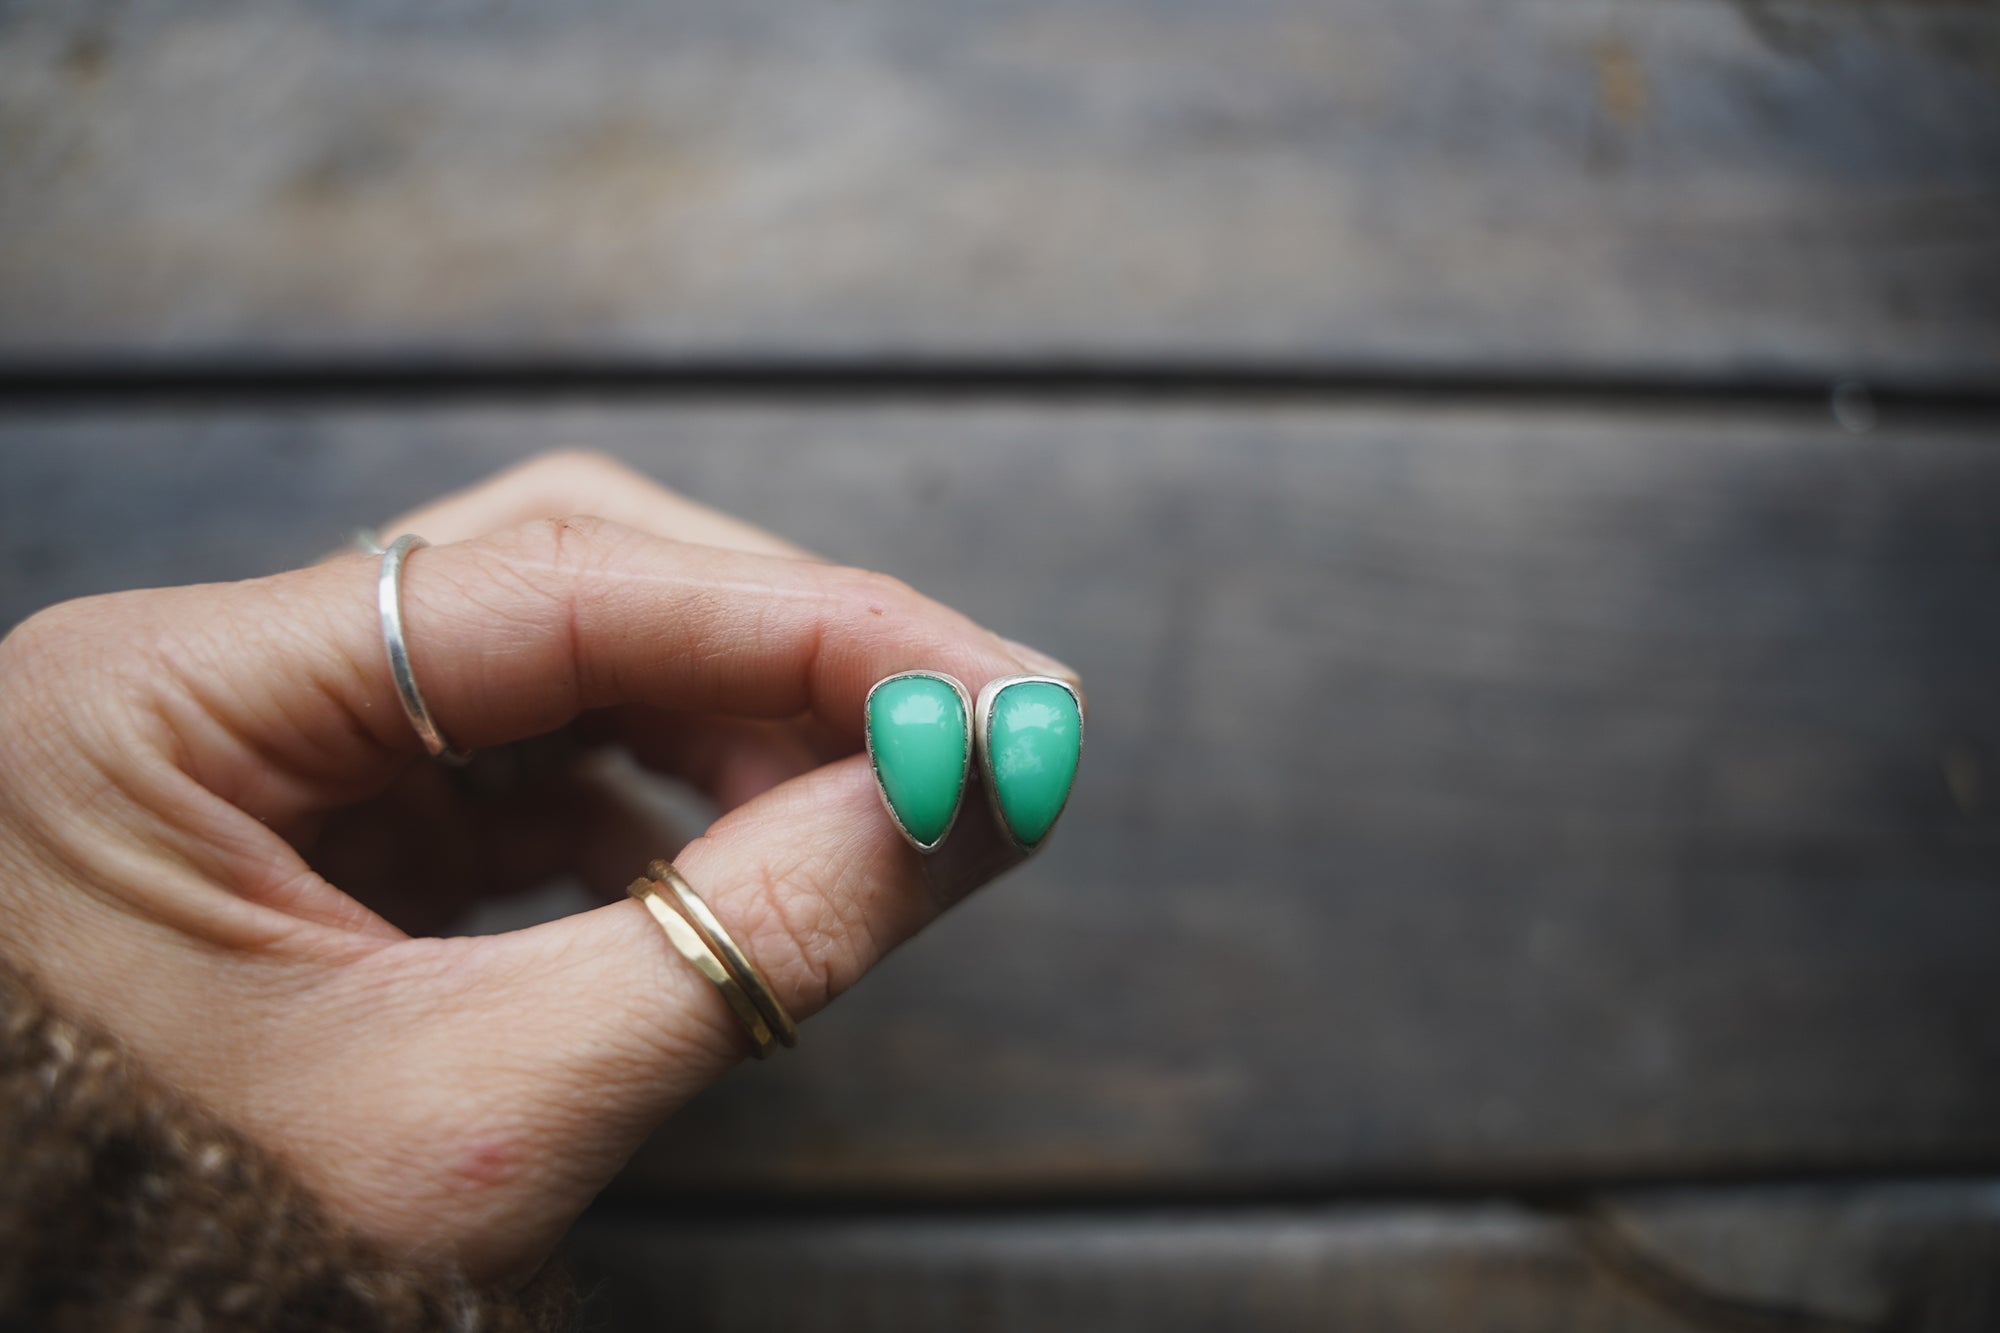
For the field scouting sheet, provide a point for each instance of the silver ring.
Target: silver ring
(389, 600)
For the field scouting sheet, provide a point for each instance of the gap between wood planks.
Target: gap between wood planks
(1567, 1197)
(1627, 1260)
(144, 382)
(1596, 1223)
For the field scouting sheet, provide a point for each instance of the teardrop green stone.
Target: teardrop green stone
(917, 736)
(1034, 736)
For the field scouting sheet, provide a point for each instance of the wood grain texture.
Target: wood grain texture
(1722, 188)
(1919, 1258)
(1470, 796)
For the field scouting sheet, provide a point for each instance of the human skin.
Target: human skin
(220, 838)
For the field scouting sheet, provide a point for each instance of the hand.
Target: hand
(218, 835)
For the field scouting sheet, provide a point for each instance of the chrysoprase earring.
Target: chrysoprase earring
(919, 732)
(1030, 738)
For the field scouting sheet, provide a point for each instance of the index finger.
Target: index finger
(514, 634)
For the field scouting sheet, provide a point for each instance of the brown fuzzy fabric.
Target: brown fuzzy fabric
(124, 1208)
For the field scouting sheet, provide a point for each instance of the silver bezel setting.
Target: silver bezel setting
(989, 696)
(965, 770)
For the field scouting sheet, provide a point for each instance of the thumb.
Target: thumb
(532, 1064)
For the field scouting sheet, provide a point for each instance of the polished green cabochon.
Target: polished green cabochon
(1034, 735)
(917, 733)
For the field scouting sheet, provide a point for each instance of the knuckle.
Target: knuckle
(572, 464)
(569, 535)
(32, 657)
(566, 544)
(67, 635)
(52, 624)
(76, 676)
(874, 593)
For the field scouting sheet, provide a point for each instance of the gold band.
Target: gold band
(698, 937)
(716, 938)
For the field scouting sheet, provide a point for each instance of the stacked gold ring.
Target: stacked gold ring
(698, 937)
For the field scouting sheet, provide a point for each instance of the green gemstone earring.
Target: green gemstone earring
(919, 732)
(1030, 739)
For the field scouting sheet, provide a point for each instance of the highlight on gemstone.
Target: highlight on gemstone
(1032, 737)
(919, 732)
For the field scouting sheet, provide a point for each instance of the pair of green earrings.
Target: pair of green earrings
(921, 726)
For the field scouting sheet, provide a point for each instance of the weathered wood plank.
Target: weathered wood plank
(1469, 796)
(1705, 187)
(1922, 1258)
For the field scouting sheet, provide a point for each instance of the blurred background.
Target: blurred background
(1520, 479)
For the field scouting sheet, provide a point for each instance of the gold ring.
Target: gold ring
(706, 948)
(716, 938)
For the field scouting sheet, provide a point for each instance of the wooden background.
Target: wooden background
(1519, 477)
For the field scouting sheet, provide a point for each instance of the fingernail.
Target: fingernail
(1040, 662)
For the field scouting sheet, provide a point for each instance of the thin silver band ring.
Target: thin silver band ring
(389, 600)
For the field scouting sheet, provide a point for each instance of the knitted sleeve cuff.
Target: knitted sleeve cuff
(125, 1206)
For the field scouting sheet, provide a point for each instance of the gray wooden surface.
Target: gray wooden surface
(1726, 188)
(1471, 795)
(1919, 1258)
(1538, 860)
